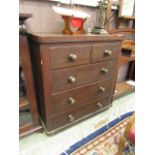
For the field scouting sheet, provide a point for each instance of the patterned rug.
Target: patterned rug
(104, 141)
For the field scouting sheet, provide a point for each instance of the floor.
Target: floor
(41, 144)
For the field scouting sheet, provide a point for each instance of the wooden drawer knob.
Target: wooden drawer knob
(71, 100)
(72, 57)
(107, 53)
(99, 105)
(104, 70)
(71, 118)
(101, 89)
(72, 79)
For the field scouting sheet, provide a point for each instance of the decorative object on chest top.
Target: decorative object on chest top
(73, 18)
(74, 76)
(101, 18)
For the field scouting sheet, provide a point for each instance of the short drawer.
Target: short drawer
(69, 55)
(65, 79)
(76, 97)
(82, 112)
(105, 51)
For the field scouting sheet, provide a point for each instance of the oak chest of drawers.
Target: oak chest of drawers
(74, 76)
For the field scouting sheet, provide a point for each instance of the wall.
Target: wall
(46, 20)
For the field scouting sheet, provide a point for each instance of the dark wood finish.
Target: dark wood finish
(126, 59)
(99, 51)
(23, 102)
(131, 71)
(59, 38)
(128, 44)
(122, 30)
(28, 74)
(65, 56)
(78, 113)
(83, 75)
(28, 129)
(64, 101)
(26, 64)
(123, 88)
(52, 73)
(30, 100)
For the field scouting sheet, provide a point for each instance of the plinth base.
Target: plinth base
(98, 30)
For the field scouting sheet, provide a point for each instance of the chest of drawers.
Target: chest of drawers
(74, 76)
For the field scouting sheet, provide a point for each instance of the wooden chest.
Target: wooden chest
(74, 76)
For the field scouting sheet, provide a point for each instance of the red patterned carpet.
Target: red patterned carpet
(104, 141)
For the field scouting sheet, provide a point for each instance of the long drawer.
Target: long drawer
(69, 55)
(65, 79)
(81, 112)
(105, 51)
(76, 97)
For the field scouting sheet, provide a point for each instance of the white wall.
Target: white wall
(46, 20)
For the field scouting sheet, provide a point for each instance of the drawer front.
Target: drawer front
(71, 55)
(73, 115)
(76, 97)
(105, 51)
(70, 78)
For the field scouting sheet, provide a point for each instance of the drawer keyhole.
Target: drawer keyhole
(104, 70)
(72, 79)
(72, 57)
(107, 53)
(71, 100)
(71, 118)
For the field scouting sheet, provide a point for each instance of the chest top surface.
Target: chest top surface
(60, 38)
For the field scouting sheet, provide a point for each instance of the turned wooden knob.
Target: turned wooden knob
(71, 118)
(72, 57)
(101, 89)
(107, 53)
(99, 105)
(72, 79)
(71, 100)
(104, 70)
